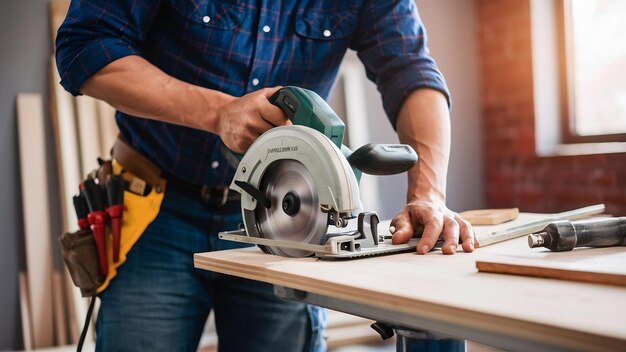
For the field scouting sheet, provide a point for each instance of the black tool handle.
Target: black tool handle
(80, 206)
(286, 101)
(93, 195)
(115, 189)
(566, 235)
(383, 159)
(600, 232)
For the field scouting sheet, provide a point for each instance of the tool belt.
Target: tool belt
(94, 253)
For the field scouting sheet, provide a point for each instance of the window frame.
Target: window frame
(566, 82)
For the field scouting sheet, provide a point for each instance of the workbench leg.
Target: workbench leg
(419, 341)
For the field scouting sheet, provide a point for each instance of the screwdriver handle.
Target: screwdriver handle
(600, 233)
(94, 195)
(565, 235)
(80, 206)
(97, 223)
(115, 185)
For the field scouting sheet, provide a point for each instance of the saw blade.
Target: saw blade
(295, 214)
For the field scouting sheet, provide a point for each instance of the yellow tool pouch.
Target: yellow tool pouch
(142, 201)
(139, 212)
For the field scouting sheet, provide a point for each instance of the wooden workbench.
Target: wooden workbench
(447, 295)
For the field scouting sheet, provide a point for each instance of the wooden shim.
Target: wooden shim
(490, 216)
(108, 127)
(36, 213)
(88, 133)
(550, 273)
(27, 332)
(583, 265)
(595, 265)
(60, 321)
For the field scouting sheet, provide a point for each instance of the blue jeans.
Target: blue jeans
(159, 302)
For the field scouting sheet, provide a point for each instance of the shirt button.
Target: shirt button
(206, 19)
(255, 81)
(215, 164)
(326, 33)
(266, 29)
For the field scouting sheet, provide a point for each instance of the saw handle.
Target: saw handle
(305, 108)
(383, 159)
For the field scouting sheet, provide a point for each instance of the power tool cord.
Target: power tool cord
(83, 334)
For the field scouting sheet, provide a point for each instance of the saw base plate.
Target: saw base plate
(335, 248)
(365, 241)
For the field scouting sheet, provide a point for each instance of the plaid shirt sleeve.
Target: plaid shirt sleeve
(96, 33)
(391, 43)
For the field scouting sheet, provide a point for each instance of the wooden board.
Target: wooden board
(64, 125)
(490, 216)
(62, 114)
(448, 291)
(27, 330)
(38, 238)
(594, 265)
(108, 127)
(74, 304)
(58, 10)
(88, 133)
(60, 321)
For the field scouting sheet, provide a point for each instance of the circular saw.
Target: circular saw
(297, 181)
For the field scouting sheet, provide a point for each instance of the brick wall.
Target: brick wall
(514, 175)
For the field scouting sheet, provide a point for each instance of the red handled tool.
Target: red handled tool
(97, 218)
(115, 194)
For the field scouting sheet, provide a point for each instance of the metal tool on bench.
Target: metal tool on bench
(565, 235)
(298, 181)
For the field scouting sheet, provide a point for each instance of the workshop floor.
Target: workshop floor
(391, 347)
(388, 347)
(381, 347)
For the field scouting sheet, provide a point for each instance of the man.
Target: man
(185, 74)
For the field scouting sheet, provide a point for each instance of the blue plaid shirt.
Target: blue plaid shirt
(237, 47)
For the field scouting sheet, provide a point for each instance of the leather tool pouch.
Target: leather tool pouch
(142, 202)
(81, 258)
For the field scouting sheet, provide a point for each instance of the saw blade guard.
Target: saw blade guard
(336, 184)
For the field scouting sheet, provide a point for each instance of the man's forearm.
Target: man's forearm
(136, 87)
(424, 123)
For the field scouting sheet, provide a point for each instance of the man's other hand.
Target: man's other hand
(438, 222)
(242, 120)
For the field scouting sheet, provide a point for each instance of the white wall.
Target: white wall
(450, 26)
(452, 40)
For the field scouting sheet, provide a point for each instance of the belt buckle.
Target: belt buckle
(205, 195)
